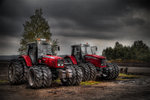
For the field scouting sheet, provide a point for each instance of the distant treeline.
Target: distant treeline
(138, 51)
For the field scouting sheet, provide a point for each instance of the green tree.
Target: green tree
(118, 51)
(108, 52)
(138, 51)
(127, 54)
(36, 27)
(54, 46)
(141, 50)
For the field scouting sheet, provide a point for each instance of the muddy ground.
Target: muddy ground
(124, 88)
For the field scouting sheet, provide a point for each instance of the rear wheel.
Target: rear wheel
(116, 74)
(25, 69)
(93, 71)
(39, 76)
(110, 72)
(86, 72)
(16, 72)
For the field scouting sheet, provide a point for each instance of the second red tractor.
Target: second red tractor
(92, 65)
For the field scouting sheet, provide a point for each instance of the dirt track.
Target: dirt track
(121, 89)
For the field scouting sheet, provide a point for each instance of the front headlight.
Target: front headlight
(60, 62)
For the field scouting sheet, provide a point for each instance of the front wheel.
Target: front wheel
(69, 81)
(76, 76)
(39, 76)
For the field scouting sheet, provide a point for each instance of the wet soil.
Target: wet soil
(125, 89)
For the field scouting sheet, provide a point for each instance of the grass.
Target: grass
(57, 81)
(89, 83)
(123, 77)
(3, 81)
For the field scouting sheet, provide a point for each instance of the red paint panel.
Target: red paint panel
(73, 59)
(27, 60)
(51, 61)
(96, 61)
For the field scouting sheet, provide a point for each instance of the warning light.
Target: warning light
(40, 39)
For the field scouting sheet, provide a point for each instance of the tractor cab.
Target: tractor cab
(38, 49)
(80, 51)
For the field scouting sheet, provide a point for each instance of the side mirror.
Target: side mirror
(58, 48)
(96, 48)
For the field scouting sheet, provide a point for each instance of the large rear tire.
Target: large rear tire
(16, 73)
(116, 74)
(86, 72)
(39, 77)
(110, 72)
(93, 71)
(25, 69)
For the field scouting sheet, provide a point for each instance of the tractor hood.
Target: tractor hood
(96, 60)
(52, 57)
(95, 56)
(53, 61)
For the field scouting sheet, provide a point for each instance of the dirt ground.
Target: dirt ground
(134, 89)
(137, 88)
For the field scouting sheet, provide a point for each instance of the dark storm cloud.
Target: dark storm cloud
(139, 3)
(92, 15)
(103, 19)
(134, 21)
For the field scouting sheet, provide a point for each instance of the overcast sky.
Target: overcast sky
(98, 22)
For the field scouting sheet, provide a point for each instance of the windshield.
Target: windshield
(86, 50)
(44, 49)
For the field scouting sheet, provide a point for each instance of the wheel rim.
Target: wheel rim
(31, 78)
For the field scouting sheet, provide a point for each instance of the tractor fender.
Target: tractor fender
(27, 60)
(73, 59)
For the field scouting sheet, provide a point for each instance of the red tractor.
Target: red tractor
(40, 67)
(92, 65)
